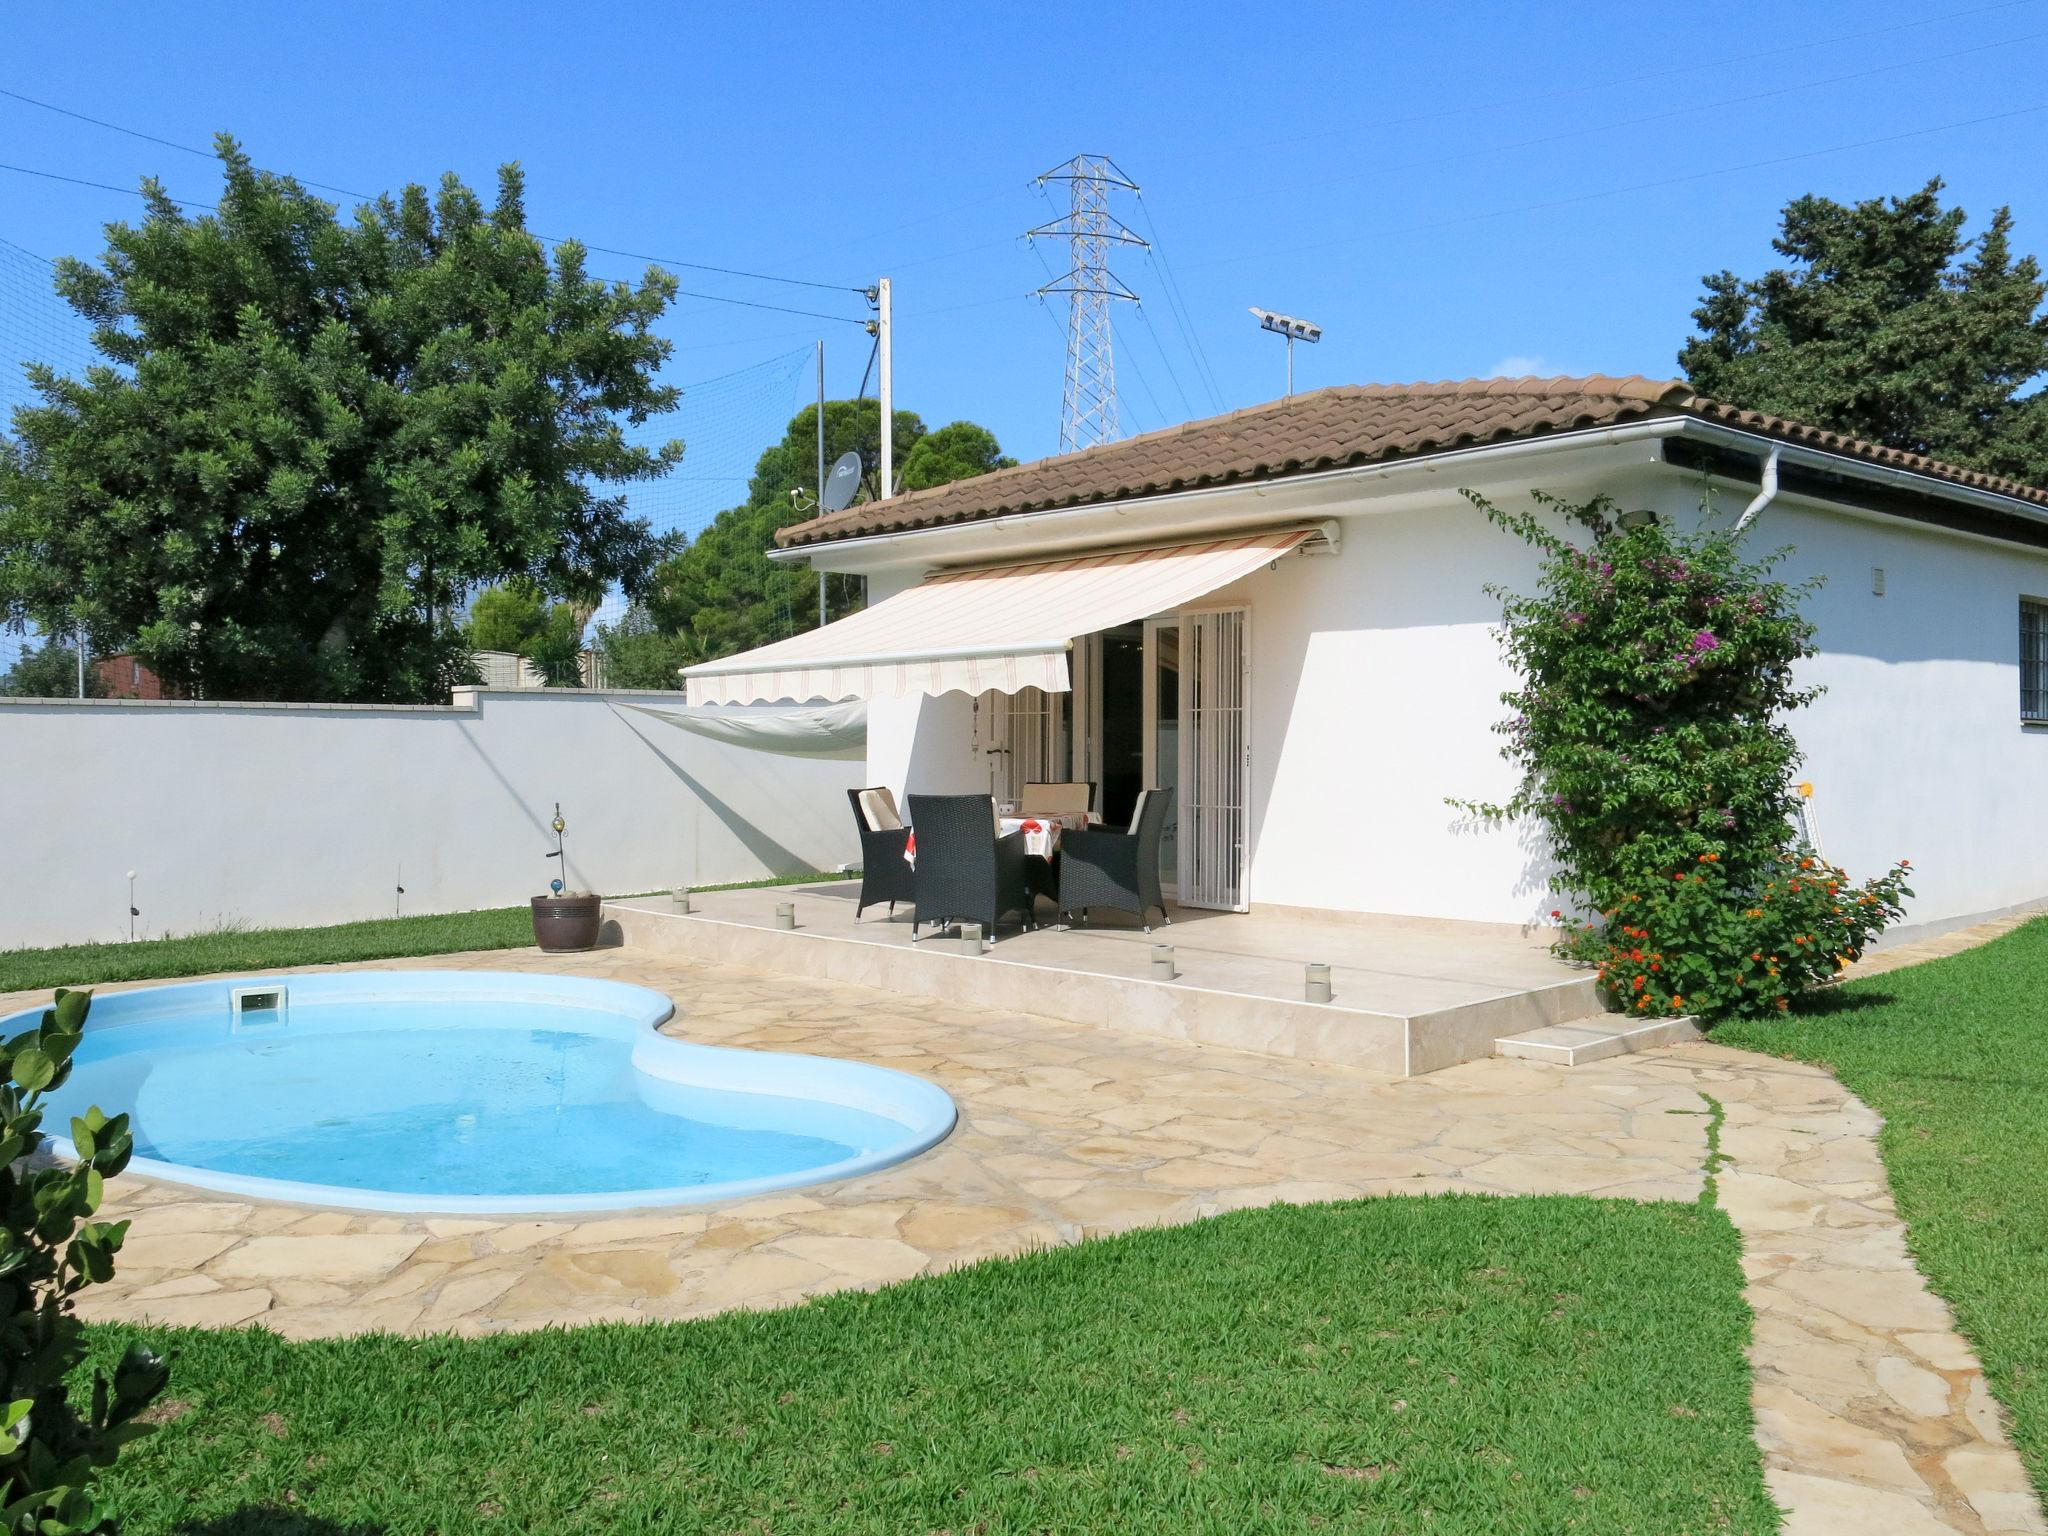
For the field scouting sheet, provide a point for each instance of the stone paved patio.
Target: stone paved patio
(1871, 1410)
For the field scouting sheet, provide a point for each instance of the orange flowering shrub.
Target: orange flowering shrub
(1703, 944)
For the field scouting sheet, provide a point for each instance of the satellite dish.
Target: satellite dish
(841, 483)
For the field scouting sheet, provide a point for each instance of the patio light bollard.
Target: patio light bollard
(785, 914)
(970, 938)
(681, 897)
(1316, 986)
(1162, 962)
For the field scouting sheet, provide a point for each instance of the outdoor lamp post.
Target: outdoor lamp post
(1294, 330)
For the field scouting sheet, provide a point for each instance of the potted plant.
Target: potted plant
(564, 920)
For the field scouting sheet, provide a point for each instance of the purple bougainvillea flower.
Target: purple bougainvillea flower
(1704, 641)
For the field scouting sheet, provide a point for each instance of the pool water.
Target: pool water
(454, 1091)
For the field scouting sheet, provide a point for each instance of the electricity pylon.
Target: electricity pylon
(1088, 412)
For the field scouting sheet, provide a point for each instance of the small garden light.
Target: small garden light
(1316, 982)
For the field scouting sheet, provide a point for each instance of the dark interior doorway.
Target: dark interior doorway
(1123, 722)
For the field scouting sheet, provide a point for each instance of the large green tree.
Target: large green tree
(50, 671)
(312, 436)
(723, 594)
(1890, 324)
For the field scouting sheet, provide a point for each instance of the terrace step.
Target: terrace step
(1596, 1037)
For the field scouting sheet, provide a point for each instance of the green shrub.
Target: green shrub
(1656, 673)
(50, 1250)
(1696, 944)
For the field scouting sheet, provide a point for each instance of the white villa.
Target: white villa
(1281, 615)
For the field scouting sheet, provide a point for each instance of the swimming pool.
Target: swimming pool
(455, 1091)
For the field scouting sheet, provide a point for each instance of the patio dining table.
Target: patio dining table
(1041, 830)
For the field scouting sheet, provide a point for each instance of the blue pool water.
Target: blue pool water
(453, 1091)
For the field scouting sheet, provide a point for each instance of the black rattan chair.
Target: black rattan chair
(965, 873)
(1119, 870)
(885, 875)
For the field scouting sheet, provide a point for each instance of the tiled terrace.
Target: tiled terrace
(1409, 995)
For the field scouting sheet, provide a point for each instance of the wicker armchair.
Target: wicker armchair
(885, 875)
(965, 873)
(1119, 870)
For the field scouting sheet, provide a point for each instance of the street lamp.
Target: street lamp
(1294, 330)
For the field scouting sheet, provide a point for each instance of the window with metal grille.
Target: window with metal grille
(2033, 659)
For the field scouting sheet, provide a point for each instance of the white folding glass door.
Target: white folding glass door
(1162, 706)
(1022, 737)
(1214, 738)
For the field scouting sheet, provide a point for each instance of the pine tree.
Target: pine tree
(1890, 325)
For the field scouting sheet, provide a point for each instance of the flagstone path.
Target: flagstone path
(1871, 1411)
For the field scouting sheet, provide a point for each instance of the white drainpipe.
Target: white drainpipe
(1766, 493)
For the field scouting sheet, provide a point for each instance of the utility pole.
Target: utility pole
(821, 465)
(1088, 413)
(81, 661)
(886, 388)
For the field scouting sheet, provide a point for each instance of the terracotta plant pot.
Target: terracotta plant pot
(565, 923)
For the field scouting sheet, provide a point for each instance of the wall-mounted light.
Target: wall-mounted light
(1640, 517)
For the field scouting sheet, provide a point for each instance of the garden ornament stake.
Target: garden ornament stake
(565, 920)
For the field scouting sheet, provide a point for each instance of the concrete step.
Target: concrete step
(1595, 1038)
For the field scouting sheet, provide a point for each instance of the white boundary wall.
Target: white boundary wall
(260, 815)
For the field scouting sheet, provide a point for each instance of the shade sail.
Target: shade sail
(821, 730)
(997, 628)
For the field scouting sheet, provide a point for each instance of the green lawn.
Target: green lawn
(1455, 1364)
(1954, 1055)
(262, 949)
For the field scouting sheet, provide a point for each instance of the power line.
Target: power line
(1918, 62)
(104, 186)
(1831, 40)
(685, 293)
(1146, 315)
(1158, 412)
(207, 154)
(1639, 186)
(1182, 315)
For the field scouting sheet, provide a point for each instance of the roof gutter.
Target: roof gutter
(1221, 506)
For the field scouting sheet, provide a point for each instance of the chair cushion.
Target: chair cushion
(879, 807)
(1056, 799)
(1138, 810)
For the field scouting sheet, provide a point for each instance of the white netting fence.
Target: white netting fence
(35, 327)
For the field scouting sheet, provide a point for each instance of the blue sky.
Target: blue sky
(1447, 190)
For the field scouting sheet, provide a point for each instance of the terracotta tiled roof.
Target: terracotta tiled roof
(1336, 428)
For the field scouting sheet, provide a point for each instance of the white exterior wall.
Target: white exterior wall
(266, 815)
(1377, 675)
(1376, 680)
(1915, 750)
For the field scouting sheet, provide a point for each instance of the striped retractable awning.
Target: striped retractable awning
(997, 628)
